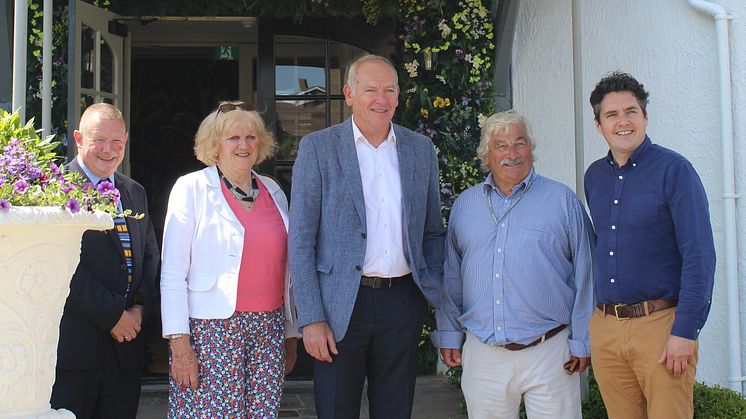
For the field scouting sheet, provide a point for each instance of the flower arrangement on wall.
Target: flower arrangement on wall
(445, 53)
(446, 50)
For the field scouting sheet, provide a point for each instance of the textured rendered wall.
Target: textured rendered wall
(668, 46)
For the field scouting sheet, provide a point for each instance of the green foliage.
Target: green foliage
(593, 406)
(448, 101)
(371, 10)
(59, 67)
(717, 403)
(427, 354)
(30, 177)
(709, 402)
(40, 148)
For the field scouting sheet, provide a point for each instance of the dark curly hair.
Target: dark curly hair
(618, 81)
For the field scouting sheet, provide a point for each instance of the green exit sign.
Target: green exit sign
(225, 52)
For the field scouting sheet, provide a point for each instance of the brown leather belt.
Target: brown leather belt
(628, 311)
(376, 282)
(547, 335)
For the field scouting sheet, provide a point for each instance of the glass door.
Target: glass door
(97, 45)
(309, 75)
(301, 71)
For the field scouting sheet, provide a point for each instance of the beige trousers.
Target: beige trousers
(624, 355)
(494, 380)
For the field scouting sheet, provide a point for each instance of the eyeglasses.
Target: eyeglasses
(232, 106)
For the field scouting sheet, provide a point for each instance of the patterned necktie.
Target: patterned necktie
(120, 224)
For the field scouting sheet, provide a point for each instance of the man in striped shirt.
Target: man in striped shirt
(517, 284)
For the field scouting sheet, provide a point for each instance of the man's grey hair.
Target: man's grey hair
(500, 122)
(352, 72)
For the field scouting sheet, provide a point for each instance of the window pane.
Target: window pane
(296, 118)
(299, 66)
(107, 68)
(340, 111)
(86, 101)
(341, 57)
(87, 57)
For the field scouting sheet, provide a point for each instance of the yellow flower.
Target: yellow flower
(440, 102)
(424, 113)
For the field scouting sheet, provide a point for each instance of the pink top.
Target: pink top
(261, 278)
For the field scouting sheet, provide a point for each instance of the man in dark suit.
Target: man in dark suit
(100, 353)
(365, 246)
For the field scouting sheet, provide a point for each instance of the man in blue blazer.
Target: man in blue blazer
(365, 246)
(100, 354)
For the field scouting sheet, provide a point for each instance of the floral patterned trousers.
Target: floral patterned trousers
(241, 364)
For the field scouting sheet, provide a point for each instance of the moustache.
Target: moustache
(512, 162)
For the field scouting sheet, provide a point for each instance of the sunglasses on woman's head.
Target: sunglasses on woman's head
(232, 106)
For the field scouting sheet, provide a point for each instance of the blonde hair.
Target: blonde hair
(499, 122)
(215, 125)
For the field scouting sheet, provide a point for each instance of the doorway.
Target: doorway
(174, 71)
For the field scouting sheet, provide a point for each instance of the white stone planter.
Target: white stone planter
(39, 251)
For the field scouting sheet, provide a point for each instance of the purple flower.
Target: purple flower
(68, 188)
(106, 188)
(72, 205)
(54, 168)
(87, 187)
(114, 196)
(460, 54)
(21, 186)
(4, 205)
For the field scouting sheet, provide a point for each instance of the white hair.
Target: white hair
(352, 72)
(500, 122)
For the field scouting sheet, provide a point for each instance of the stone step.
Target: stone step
(434, 399)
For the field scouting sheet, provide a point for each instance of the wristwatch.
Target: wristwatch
(175, 336)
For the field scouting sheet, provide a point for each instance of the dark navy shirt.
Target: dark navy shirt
(654, 239)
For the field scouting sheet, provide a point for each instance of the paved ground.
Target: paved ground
(434, 399)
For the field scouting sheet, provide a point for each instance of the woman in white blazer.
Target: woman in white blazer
(226, 296)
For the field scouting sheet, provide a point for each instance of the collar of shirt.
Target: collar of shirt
(94, 179)
(637, 155)
(489, 183)
(360, 137)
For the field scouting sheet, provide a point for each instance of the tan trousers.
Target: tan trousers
(624, 355)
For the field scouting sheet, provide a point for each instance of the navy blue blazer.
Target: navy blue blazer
(97, 288)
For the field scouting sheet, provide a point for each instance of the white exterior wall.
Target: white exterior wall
(669, 47)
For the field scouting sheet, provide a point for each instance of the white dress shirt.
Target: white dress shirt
(379, 171)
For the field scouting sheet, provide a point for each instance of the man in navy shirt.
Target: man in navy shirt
(654, 261)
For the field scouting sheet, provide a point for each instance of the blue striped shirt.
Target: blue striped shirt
(516, 280)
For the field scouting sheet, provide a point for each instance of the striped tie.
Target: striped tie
(120, 225)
